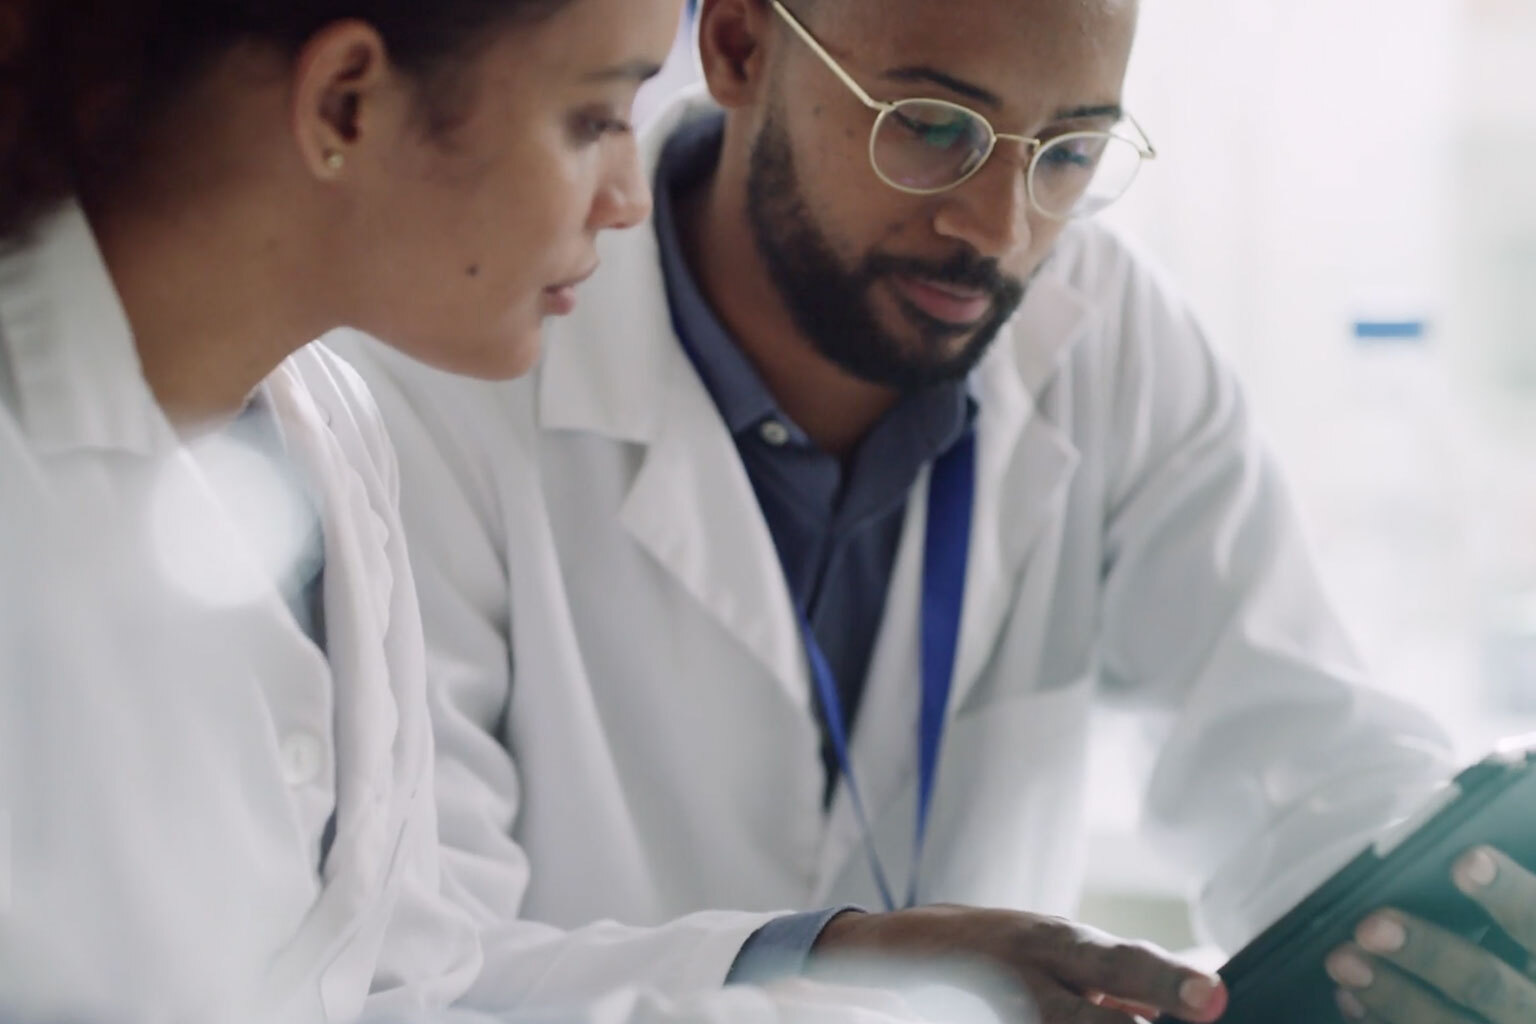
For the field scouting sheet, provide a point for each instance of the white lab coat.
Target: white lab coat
(171, 755)
(602, 598)
(171, 743)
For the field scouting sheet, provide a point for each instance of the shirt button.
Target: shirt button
(774, 432)
(301, 754)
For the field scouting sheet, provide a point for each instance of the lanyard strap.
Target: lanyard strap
(946, 551)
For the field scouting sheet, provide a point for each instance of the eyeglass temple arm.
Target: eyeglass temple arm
(1148, 151)
(827, 59)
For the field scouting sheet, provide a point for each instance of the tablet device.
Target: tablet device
(1279, 977)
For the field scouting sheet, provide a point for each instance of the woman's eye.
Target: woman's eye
(590, 127)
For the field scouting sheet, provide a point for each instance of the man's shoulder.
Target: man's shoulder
(1116, 286)
(1097, 316)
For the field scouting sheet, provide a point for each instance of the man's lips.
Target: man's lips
(951, 304)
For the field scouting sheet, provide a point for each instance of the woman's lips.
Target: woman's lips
(951, 304)
(560, 299)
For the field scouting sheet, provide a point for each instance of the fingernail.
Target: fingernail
(1382, 934)
(1477, 870)
(1200, 992)
(1349, 1006)
(1350, 971)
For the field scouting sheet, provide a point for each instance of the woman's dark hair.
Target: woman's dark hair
(81, 80)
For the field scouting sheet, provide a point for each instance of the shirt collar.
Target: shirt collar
(77, 378)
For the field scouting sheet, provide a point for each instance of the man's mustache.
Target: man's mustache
(962, 270)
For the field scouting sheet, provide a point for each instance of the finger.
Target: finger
(1385, 990)
(1350, 1006)
(1461, 970)
(1503, 888)
(1058, 1004)
(1129, 1008)
(1090, 961)
(1354, 1011)
(1393, 998)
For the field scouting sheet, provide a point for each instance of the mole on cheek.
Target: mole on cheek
(474, 270)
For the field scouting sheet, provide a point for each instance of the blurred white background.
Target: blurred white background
(1328, 165)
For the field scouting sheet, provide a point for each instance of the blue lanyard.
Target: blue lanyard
(951, 495)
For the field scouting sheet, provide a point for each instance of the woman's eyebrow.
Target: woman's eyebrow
(633, 70)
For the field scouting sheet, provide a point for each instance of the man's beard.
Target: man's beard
(833, 306)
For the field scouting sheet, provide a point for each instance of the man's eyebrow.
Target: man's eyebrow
(1103, 111)
(633, 70)
(922, 73)
(970, 90)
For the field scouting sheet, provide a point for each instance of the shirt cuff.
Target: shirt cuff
(780, 948)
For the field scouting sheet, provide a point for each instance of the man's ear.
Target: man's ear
(734, 38)
(341, 95)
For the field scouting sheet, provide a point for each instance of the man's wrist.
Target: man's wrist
(782, 947)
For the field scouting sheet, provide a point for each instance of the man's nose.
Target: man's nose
(990, 212)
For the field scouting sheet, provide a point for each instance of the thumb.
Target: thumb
(1142, 979)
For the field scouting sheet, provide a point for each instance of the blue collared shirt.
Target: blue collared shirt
(836, 525)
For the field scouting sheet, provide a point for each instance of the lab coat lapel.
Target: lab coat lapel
(617, 369)
(1024, 465)
(693, 508)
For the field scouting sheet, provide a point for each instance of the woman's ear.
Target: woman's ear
(342, 96)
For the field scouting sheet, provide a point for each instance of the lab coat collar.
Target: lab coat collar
(79, 383)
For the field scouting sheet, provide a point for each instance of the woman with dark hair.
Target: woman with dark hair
(215, 759)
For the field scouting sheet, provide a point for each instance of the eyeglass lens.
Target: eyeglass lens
(928, 146)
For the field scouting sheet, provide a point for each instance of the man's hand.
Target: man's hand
(1071, 974)
(1401, 970)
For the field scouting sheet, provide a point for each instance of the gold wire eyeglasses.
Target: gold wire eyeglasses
(927, 146)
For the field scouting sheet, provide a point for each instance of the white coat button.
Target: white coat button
(301, 755)
(774, 432)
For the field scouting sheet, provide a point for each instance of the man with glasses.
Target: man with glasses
(862, 475)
